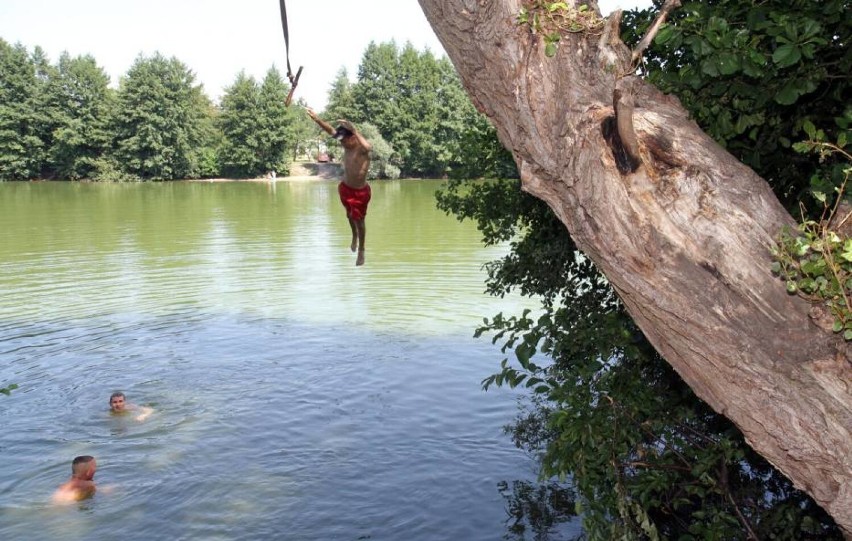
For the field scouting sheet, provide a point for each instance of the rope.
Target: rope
(294, 80)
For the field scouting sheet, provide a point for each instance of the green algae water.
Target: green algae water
(296, 396)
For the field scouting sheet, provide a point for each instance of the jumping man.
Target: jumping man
(353, 189)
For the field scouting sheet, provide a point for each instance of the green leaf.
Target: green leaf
(666, 33)
(550, 49)
(709, 67)
(847, 334)
(786, 55)
(788, 95)
(728, 63)
(809, 128)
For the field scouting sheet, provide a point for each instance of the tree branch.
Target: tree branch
(669, 6)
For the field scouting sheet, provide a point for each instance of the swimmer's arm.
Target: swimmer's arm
(145, 412)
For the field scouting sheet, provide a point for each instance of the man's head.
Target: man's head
(84, 467)
(342, 133)
(117, 401)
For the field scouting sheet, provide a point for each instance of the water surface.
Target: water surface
(296, 396)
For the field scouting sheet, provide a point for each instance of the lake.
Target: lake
(296, 396)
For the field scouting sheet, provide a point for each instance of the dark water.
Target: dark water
(296, 396)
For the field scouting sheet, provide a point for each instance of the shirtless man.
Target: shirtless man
(353, 189)
(118, 404)
(81, 485)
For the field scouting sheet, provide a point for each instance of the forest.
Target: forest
(64, 120)
(641, 455)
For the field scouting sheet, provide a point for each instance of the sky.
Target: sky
(216, 39)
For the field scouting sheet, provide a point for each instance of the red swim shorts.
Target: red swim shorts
(354, 201)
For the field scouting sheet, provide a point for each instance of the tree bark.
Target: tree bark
(680, 228)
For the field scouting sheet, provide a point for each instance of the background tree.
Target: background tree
(377, 87)
(160, 123)
(21, 147)
(341, 99)
(49, 115)
(86, 105)
(625, 441)
(382, 164)
(306, 138)
(275, 124)
(239, 109)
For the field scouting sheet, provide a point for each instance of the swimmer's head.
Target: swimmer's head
(84, 467)
(117, 401)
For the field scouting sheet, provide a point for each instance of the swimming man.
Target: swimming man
(81, 485)
(118, 404)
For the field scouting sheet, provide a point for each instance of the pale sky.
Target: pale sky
(216, 39)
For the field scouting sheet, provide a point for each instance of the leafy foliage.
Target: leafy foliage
(537, 507)
(551, 19)
(418, 105)
(21, 147)
(816, 260)
(85, 106)
(162, 114)
(648, 459)
(752, 73)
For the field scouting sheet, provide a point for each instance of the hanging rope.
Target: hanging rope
(294, 80)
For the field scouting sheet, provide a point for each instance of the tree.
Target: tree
(304, 132)
(382, 155)
(86, 104)
(239, 109)
(750, 75)
(680, 228)
(341, 99)
(21, 147)
(274, 125)
(161, 124)
(376, 91)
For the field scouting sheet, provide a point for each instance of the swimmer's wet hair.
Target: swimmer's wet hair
(80, 460)
(116, 394)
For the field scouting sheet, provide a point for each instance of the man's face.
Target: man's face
(348, 141)
(116, 403)
(93, 467)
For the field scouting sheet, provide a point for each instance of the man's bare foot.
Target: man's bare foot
(354, 245)
(360, 260)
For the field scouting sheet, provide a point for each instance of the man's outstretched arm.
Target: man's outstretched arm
(322, 123)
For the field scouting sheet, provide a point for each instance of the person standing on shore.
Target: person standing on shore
(353, 189)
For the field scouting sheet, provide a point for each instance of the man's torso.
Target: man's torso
(356, 162)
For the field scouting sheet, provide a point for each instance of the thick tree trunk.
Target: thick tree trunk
(680, 228)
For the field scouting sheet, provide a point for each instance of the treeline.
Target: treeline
(64, 121)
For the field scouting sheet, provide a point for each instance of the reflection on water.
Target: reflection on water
(296, 395)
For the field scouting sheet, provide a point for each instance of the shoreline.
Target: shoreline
(261, 179)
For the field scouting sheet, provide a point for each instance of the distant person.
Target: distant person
(354, 191)
(119, 405)
(81, 485)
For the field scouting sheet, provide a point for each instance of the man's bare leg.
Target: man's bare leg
(362, 233)
(354, 245)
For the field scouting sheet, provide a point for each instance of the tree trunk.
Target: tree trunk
(680, 228)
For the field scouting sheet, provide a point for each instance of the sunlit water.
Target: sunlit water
(296, 396)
